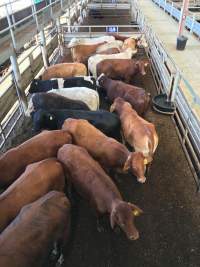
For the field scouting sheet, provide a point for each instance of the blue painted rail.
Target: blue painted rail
(169, 7)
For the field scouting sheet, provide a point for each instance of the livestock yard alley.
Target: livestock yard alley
(170, 225)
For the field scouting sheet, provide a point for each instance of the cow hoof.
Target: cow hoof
(60, 261)
(117, 230)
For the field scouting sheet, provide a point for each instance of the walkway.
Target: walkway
(166, 29)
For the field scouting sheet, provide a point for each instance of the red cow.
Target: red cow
(38, 179)
(29, 239)
(93, 184)
(42, 146)
(109, 152)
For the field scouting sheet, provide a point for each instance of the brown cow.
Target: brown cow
(81, 53)
(64, 70)
(121, 69)
(136, 96)
(41, 146)
(93, 184)
(29, 239)
(109, 152)
(38, 179)
(139, 133)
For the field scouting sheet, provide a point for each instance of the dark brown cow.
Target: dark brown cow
(38, 179)
(93, 184)
(109, 152)
(42, 146)
(29, 239)
(121, 69)
(136, 96)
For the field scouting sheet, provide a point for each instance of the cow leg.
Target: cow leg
(123, 138)
(148, 169)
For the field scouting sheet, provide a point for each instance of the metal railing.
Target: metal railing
(14, 112)
(164, 70)
(174, 10)
(84, 31)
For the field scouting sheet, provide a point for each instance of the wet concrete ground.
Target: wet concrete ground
(170, 226)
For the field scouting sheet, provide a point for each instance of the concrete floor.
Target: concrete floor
(188, 60)
(170, 226)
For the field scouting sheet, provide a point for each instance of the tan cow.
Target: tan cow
(38, 179)
(39, 147)
(82, 48)
(81, 53)
(64, 70)
(109, 152)
(139, 133)
(29, 239)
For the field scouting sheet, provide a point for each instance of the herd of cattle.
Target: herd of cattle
(77, 145)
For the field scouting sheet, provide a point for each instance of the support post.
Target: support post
(43, 49)
(184, 13)
(17, 77)
(60, 41)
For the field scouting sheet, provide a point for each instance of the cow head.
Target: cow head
(43, 119)
(141, 41)
(137, 162)
(129, 43)
(33, 86)
(100, 79)
(118, 104)
(141, 65)
(123, 214)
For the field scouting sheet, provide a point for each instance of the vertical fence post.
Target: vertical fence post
(175, 85)
(10, 27)
(193, 21)
(60, 42)
(184, 13)
(172, 6)
(43, 48)
(17, 77)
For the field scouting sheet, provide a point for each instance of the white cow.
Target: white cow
(94, 60)
(84, 94)
(90, 41)
(115, 44)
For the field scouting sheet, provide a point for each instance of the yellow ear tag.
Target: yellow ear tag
(136, 213)
(145, 161)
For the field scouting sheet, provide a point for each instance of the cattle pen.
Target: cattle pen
(170, 226)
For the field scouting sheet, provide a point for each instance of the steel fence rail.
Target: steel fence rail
(174, 10)
(164, 69)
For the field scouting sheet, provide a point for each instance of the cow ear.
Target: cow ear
(136, 210)
(127, 164)
(112, 108)
(112, 218)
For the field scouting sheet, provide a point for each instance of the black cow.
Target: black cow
(105, 121)
(40, 86)
(53, 101)
(86, 81)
